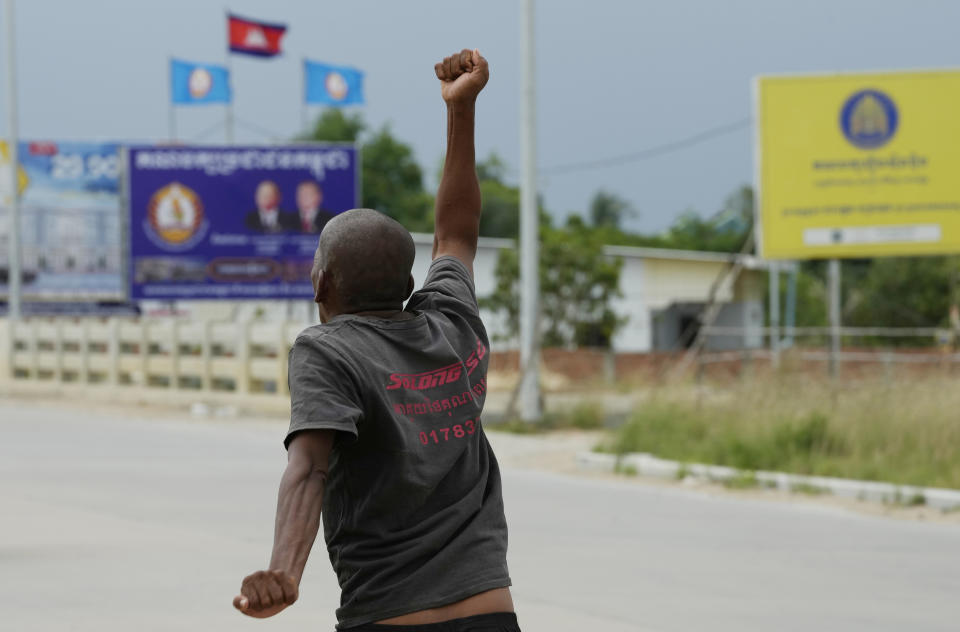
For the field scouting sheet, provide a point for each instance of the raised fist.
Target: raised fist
(462, 76)
(265, 593)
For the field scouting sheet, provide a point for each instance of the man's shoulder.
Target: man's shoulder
(326, 343)
(321, 333)
(449, 293)
(449, 277)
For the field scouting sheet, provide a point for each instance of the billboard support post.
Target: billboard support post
(13, 226)
(774, 302)
(123, 186)
(833, 282)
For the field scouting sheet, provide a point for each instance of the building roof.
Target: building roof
(751, 262)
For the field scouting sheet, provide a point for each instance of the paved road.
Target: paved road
(138, 520)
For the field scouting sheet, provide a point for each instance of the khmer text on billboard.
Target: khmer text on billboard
(233, 222)
(858, 165)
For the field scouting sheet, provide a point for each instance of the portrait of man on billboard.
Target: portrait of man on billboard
(312, 217)
(268, 217)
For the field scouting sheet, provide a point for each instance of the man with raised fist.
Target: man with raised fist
(385, 445)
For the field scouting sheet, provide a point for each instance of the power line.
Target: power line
(257, 129)
(206, 132)
(651, 152)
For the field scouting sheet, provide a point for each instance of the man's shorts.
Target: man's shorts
(494, 622)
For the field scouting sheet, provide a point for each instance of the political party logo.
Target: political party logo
(199, 83)
(175, 218)
(336, 85)
(869, 119)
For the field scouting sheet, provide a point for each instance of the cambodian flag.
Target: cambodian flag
(254, 38)
(332, 85)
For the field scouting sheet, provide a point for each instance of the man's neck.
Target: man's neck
(393, 313)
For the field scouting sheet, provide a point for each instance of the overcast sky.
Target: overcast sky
(615, 77)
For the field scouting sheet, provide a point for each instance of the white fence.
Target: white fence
(173, 354)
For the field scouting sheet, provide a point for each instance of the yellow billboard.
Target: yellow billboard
(858, 165)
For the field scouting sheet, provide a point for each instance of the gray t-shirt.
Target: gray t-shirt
(412, 510)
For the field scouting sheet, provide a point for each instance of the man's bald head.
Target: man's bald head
(367, 257)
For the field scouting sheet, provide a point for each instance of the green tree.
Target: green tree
(904, 292)
(737, 213)
(499, 201)
(392, 181)
(609, 209)
(577, 285)
(811, 296)
(725, 231)
(692, 232)
(811, 302)
(883, 292)
(335, 125)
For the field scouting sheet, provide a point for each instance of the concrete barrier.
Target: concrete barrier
(160, 354)
(644, 464)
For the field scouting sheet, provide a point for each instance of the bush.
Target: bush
(906, 433)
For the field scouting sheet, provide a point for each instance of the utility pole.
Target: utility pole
(529, 226)
(833, 284)
(13, 225)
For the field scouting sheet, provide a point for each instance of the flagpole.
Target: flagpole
(228, 120)
(13, 234)
(172, 121)
(303, 94)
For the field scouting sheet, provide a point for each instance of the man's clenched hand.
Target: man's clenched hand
(462, 76)
(265, 593)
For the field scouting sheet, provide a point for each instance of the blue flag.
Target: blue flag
(332, 85)
(198, 83)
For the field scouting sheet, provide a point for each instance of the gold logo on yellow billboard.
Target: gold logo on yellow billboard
(869, 119)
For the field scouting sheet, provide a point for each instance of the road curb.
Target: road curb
(644, 464)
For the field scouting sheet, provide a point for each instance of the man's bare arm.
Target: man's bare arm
(462, 76)
(265, 593)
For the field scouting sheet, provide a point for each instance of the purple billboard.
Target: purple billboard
(233, 222)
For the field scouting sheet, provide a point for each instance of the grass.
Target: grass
(906, 432)
(807, 488)
(916, 500)
(743, 480)
(583, 416)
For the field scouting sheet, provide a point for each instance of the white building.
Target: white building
(664, 293)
